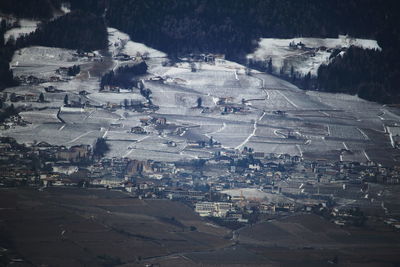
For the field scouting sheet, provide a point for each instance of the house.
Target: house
(171, 144)
(256, 167)
(138, 130)
(54, 79)
(83, 92)
(214, 209)
(161, 121)
(50, 89)
(259, 155)
(75, 153)
(65, 169)
(30, 97)
(116, 125)
(110, 88)
(183, 194)
(145, 121)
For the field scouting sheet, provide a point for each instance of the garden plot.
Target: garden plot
(40, 116)
(363, 112)
(124, 135)
(354, 156)
(91, 117)
(120, 149)
(234, 135)
(115, 98)
(346, 132)
(42, 62)
(322, 148)
(56, 134)
(76, 85)
(158, 143)
(222, 84)
(281, 148)
(264, 131)
(75, 134)
(255, 193)
(53, 100)
(100, 117)
(316, 52)
(278, 101)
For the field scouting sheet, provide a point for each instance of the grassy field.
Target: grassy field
(76, 227)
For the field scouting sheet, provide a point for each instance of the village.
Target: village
(236, 146)
(233, 188)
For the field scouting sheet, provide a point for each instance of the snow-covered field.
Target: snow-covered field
(120, 42)
(316, 52)
(272, 116)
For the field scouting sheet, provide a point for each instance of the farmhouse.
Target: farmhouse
(138, 130)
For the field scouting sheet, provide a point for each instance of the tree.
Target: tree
(41, 98)
(101, 147)
(199, 102)
(13, 97)
(306, 81)
(66, 100)
(74, 70)
(269, 66)
(193, 67)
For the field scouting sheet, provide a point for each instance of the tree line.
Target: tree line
(34, 9)
(76, 30)
(124, 76)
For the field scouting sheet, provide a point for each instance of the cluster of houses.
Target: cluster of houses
(286, 183)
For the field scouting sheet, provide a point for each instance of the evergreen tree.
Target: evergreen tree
(199, 102)
(269, 67)
(66, 102)
(41, 98)
(100, 148)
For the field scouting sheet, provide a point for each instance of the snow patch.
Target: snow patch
(27, 26)
(307, 54)
(120, 42)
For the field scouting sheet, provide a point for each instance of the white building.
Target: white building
(214, 209)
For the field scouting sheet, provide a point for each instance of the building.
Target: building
(135, 167)
(75, 153)
(214, 209)
(161, 121)
(138, 130)
(182, 194)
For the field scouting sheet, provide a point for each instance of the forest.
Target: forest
(33, 9)
(232, 27)
(76, 30)
(6, 53)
